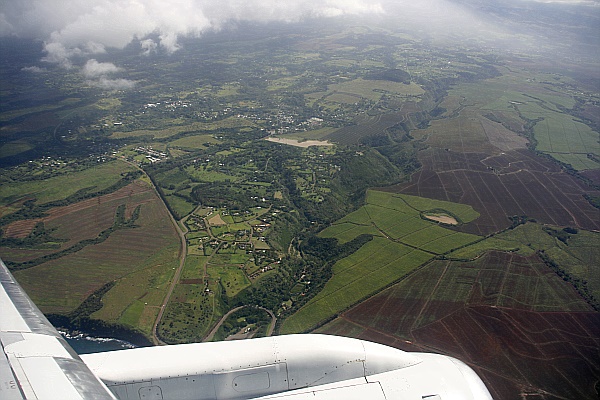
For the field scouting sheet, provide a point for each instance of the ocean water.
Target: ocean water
(84, 344)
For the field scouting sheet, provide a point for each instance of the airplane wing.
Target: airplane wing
(436, 378)
(294, 367)
(36, 362)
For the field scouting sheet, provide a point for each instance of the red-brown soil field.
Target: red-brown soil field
(59, 286)
(79, 221)
(498, 186)
(526, 332)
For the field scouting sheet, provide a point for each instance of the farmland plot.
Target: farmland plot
(509, 316)
(402, 242)
(58, 286)
(377, 264)
(513, 183)
(477, 154)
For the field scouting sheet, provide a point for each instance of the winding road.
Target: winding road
(214, 330)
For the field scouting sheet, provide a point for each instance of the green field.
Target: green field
(205, 175)
(402, 242)
(567, 140)
(144, 290)
(399, 217)
(492, 243)
(7, 116)
(15, 147)
(576, 257)
(180, 127)
(374, 266)
(179, 205)
(190, 313)
(194, 267)
(230, 258)
(232, 278)
(463, 212)
(60, 187)
(372, 90)
(194, 142)
(556, 132)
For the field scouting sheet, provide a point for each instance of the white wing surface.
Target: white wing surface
(293, 367)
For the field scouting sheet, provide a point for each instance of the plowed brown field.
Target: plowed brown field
(510, 317)
(59, 286)
(503, 185)
(79, 221)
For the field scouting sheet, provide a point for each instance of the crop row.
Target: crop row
(374, 266)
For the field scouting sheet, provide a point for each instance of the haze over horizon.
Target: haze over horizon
(83, 30)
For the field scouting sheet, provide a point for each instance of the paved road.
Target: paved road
(224, 318)
(182, 255)
(216, 328)
(273, 321)
(175, 281)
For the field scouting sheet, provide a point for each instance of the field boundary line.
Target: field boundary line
(367, 297)
(437, 284)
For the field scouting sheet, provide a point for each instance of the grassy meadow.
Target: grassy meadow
(62, 186)
(518, 97)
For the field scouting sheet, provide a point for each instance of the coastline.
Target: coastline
(96, 329)
(83, 343)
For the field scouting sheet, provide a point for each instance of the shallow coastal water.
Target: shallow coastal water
(84, 344)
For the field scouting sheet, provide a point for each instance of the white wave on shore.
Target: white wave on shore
(80, 339)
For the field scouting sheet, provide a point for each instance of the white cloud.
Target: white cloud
(33, 69)
(169, 42)
(112, 84)
(94, 69)
(94, 48)
(57, 53)
(98, 75)
(80, 27)
(148, 46)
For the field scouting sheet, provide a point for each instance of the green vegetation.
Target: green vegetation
(246, 322)
(190, 314)
(399, 218)
(135, 299)
(233, 280)
(38, 238)
(137, 255)
(371, 90)
(294, 230)
(386, 259)
(571, 253)
(373, 267)
(548, 120)
(69, 182)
